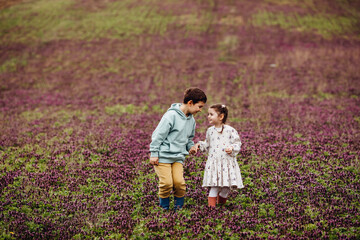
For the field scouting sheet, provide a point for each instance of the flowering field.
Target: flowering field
(84, 84)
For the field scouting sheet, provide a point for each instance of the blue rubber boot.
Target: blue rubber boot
(179, 203)
(165, 203)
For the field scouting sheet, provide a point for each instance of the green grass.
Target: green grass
(17, 157)
(122, 109)
(195, 23)
(13, 64)
(61, 117)
(50, 20)
(32, 115)
(35, 20)
(325, 25)
(227, 45)
(60, 19)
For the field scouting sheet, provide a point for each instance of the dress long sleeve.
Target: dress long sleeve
(235, 142)
(204, 145)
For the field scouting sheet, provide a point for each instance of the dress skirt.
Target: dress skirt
(222, 172)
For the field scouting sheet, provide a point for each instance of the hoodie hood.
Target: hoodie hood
(176, 107)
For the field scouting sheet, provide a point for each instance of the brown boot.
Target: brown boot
(212, 201)
(221, 200)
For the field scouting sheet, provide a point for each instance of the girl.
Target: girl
(222, 144)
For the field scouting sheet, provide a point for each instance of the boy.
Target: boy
(171, 142)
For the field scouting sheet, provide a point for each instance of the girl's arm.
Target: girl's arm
(235, 143)
(204, 145)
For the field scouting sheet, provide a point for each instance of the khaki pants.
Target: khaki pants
(171, 177)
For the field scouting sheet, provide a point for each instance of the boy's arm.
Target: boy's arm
(190, 139)
(159, 135)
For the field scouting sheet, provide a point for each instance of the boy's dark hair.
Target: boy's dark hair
(194, 94)
(221, 109)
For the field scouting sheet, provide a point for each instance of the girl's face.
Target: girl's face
(214, 118)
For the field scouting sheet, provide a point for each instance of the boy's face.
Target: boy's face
(195, 108)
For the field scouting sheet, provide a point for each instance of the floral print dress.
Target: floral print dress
(222, 169)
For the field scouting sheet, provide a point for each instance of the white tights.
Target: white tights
(222, 191)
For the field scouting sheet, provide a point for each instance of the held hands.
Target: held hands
(154, 161)
(194, 148)
(229, 150)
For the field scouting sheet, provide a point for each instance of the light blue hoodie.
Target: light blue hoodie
(172, 138)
